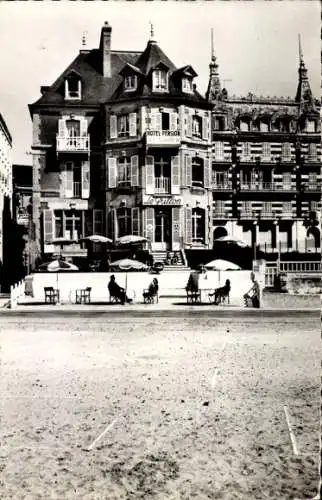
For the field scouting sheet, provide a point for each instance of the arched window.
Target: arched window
(198, 225)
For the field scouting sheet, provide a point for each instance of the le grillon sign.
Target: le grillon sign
(163, 201)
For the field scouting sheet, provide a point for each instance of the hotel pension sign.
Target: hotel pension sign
(162, 201)
(155, 137)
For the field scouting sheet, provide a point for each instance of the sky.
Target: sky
(256, 45)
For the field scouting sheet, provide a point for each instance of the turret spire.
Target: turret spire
(214, 86)
(151, 32)
(300, 50)
(303, 95)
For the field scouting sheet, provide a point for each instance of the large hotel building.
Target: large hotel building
(123, 143)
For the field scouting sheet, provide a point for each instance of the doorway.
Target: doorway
(162, 236)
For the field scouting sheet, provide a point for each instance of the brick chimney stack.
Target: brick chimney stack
(105, 49)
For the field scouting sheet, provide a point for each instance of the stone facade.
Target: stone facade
(5, 180)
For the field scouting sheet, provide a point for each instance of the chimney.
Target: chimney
(105, 49)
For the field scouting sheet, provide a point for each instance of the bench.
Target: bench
(193, 296)
(83, 295)
(149, 298)
(51, 295)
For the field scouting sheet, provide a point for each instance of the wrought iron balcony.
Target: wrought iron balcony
(222, 186)
(72, 144)
(162, 185)
(313, 186)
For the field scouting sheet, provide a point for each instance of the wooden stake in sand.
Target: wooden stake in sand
(100, 436)
(290, 430)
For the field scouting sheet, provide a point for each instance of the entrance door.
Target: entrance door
(162, 237)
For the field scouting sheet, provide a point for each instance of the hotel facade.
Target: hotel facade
(5, 183)
(123, 143)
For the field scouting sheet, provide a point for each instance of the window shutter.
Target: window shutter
(97, 221)
(175, 174)
(85, 179)
(133, 125)
(176, 225)
(205, 127)
(113, 127)
(188, 161)
(287, 180)
(83, 127)
(111, 172)
(149, 223)
(219, 150)
(206, 173)
(188, 225)
(135, 170)
(48, 225)
(136, 221)
(173, 121)
(149, 174)
(158, 121)
(183, 171)
(68, 179)
(111, 224)
(253, 177)
(62, 127)
(189, 125)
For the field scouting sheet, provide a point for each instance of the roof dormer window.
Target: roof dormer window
(187, 84)
(73, 87)
(160, 80)
(130, 82)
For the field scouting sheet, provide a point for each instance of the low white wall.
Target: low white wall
(170, 283)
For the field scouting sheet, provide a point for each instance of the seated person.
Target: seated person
(253, 293)
(222, 292)
(117, 291)
(152, 290)
(193, 283)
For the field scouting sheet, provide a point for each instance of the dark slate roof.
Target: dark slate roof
(151, 57)
(96, 88)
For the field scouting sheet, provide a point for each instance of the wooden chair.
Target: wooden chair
(150, 298)
(51, 295)
(83, 295)
(193, 296)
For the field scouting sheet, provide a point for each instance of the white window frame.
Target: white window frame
(130, 82)
(219, 150)
(125, 133)
(196, 119)
(160, 80)
(77, 96)
(266, 151)
(199, 163)
(187, 85)
(124, 161)
(286, 151)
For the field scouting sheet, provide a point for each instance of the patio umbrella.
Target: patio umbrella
(222, 265)
(96, 238)
(60, 265)
(128, 265)
(131, 239)
(231, 240)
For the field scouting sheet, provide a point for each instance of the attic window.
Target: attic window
(186, 84)
(160, 80)
(130, 82)
(73, 87)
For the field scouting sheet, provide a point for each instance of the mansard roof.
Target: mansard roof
(96, 88)
(151, 57)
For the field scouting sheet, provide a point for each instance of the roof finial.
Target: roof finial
(84, 39)
(300, 49)
(212, 44)
(151, 31)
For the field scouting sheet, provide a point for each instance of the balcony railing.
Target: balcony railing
(72, 144)
(222, 186)
(77, 189)
(219, 215)
(162, 185)
(163, 137)
(313, 186)
(266, 186)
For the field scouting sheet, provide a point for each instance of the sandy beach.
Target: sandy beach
(189, 407)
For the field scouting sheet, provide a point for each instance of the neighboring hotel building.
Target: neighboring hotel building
(124, 144)
(266, 164)
(5, 182)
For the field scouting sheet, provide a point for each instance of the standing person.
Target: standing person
(254, 292)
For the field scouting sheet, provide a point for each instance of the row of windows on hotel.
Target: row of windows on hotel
(266, 125)
(222, 209)
(266, 151)
(160, 83)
